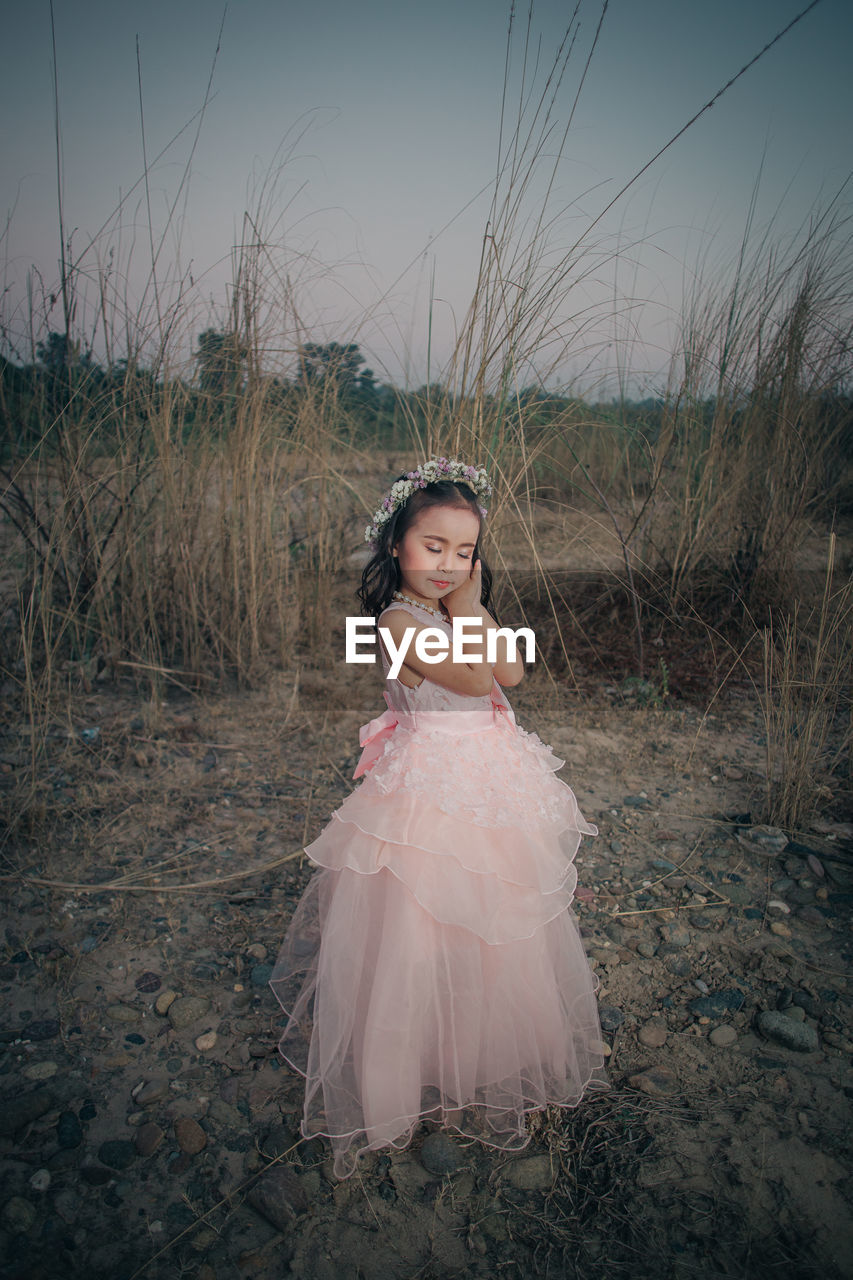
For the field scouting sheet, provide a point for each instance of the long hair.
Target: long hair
(381, 575)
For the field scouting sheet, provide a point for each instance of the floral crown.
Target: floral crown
(428, 473)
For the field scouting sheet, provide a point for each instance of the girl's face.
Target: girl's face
(436, 553)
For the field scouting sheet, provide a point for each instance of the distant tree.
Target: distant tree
(332, 362)
(56, 352)
(221, 359)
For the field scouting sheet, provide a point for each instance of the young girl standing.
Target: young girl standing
(433, 968)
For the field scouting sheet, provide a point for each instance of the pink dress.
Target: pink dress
(434, 961)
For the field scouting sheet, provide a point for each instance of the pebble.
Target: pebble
(117, 1153)
(261, 974)
(69, 1131)
(206, 1041)
(279, 1197)
(164, 1000)
(40, 1070)
(798, 1036)
(190, 1135)
(616, 846)
(659, 1082)
(781, 908)
(257, 951)
(152, 1090)
(646, 949)
(148, 1138)
(783, 885)
(652, 1035)
(723, 1037)
(186, 1010)
(17, 1216)
(440, 1154)
(811, 914)
(531, 1173)
(610, 1018)
(836, 1041)
(717, 1004)
(41, 1029)
(781, 930)
(676, 935)
(769, 842)
(40, 1181)
(122, 1013)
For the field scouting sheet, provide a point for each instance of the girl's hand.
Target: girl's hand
(464, 600)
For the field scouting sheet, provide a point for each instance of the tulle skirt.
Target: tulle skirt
(434, 963)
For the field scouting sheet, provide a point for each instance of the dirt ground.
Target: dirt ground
(149, 1125)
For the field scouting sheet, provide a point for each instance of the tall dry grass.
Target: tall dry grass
(184, 534)
(807, 702)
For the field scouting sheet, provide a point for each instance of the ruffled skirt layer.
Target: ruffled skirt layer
(434, 963)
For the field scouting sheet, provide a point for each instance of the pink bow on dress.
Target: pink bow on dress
(373, 735)
(372, 738)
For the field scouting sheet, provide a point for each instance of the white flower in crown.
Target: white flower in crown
(428, 473)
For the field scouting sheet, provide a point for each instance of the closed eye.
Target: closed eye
(459, 553)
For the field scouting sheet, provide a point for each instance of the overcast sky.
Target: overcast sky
(391, 111)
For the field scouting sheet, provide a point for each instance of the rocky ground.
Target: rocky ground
(149, 1125)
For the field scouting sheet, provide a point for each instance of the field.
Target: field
(182, 512)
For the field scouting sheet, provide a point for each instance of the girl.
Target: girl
(433, 969)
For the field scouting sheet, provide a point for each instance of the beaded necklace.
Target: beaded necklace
(398, 595)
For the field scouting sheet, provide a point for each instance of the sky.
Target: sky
(364, 138)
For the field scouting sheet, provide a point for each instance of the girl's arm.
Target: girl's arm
(506, 672)
(473, 678)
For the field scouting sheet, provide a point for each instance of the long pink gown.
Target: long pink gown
(434, 961)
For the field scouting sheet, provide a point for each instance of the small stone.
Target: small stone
(122, 1013)
(151, 1091)
(17, 1216)
(69, 1131)
(815, 866)
(117, 1153)
(796, 1012)
(186, 1010)
(610, 1018)
(652, 1035)
(781, 930)
(616, 847)
(261, 974)
(600, 1046)
(646, 949)
(800, 1037)
(190, 1136)
(147, 983)
(675, 934)
(148, 1138)
(164, 1000)
(723, 1037)
(257, 951)
(530, 1173)
(279, 1197)
(40, 1070)
(658, 1082)
(835, 1041)
(439, 1154)
(812, 915)
(783, 885)
(205, 1042)
(717, 1004)
(40, 1181)
(41, 1029)
(781, 908)
(769, 842)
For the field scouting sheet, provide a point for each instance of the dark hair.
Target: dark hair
(381, 575)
